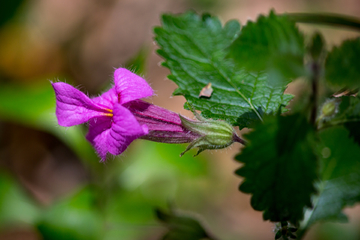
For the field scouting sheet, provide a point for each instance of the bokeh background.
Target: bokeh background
(52, 185)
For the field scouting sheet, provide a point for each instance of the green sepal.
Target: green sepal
(214, 134)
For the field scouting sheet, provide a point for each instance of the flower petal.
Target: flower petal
(108, 98)
(130, 86)
(124, 130)
(74, 107)
(99, 129)
(114, 136)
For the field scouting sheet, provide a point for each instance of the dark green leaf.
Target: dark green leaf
(340, 175)
(279, 167)
(342, 68)
(73, 218)
(181, 227)
(272, 42)
(194, 49)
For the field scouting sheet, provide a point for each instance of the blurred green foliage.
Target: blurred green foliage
(8, 9)
(16, 207)
(181, 227)
(73, 218)
(342, 65)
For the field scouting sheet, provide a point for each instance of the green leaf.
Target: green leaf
(272, 42)
(194, 49)
(340, 175)
(73, 218)
(279, 167)
(181, 227)
(342, 67)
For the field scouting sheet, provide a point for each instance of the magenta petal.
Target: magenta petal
(125, 129)
(99, 129)
(74, 107)
(108, 98)
(130, 86)
(114, 136)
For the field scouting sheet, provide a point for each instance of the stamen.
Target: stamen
(107, 114)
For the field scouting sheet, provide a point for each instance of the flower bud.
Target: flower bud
(214, 134)
(329, 109)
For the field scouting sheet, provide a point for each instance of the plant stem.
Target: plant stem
(315, 69)
(326, 19)
(236, 138)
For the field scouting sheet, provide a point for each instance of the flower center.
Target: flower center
(109, 112)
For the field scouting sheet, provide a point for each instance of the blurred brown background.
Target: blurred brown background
(83, 41)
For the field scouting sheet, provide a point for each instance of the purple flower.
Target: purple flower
(118, 117)
(112, 126)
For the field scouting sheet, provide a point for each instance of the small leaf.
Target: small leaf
(181, 227)
(272, 42)
(194, 49)
(342, 67)
(279, 167)
(340, 175)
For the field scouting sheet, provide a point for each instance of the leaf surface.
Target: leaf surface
(272, 43)
(195, 48)
(279, 167)
(263, 41)
(342, 67)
